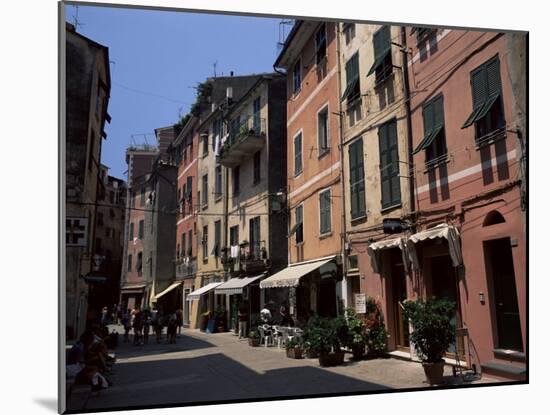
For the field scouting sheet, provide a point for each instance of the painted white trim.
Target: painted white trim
(438, 39)
(184, 219)
(321, 109)
(309, 261)
(315, 178)
(468, 172)
(187, 168)
(306, 102)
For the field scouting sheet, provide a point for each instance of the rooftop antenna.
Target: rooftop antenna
(75, 16)
(215, 65)
(282, 32)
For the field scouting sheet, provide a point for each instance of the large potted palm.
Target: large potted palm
(432, 333)
(326, 337)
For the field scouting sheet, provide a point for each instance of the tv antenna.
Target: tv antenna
(75, 17)
(215, 65)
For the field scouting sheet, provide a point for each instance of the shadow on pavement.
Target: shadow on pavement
(183, 343)
(216, 377)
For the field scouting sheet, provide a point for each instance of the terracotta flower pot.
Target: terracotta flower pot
(434, 372)
(253, 342)
(311, 354)
(358, 351)
(331, 359)
(295, 353)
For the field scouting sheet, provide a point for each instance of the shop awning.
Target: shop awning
(133, 288)
(450, 233)
(235, 285)
(375, 248)
(290, 276)
(167, 290)
(195, 295)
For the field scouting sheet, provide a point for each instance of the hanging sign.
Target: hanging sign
(360, 303)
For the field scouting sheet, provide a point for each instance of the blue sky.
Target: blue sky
(163, 55)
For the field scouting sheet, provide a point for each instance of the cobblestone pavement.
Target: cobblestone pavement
(211, 367)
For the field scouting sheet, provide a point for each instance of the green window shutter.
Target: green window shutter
(131, 231)
(298, 153)
(494, 85)
(428, 115)
(389, 165)
(393, 151)
(381, 41)
(324, 208)
(479, 87)
(140, 230)
(357, 179)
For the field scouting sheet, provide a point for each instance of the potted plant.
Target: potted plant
(254, 338)
(220, 320)
(294, 349)
(356, 338)
(376, 335)
(432, 333)
(325, 337)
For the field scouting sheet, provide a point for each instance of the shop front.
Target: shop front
(132, 296)
(203, 300)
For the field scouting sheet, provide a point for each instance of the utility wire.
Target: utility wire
(150, 94)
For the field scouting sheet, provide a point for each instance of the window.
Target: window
(218, 183)
(178, 251)
(434, 132)
(131, 231)
(179, 194)
(205, 242)
(183, 251)
(299, 225)
(142, 197)
(205, 190)
(382, 66)
(353, 87)
(236, 180)
(234, 235)
(422, 33)
(98, 245)
(129, 263)
(111, 213)
(204, 139)
(349, 32)
(111, 197)
(107, 232)
(256, 120)
(133, 199)
(189, 194)
(254, 231)
(217, 238)
(322, 130)
(234, 126)
(389, 165)
(488, 112)
(297, 77)
(298, 154)
(257, 167)
(100, 218)
(139, 262)
(140, 229)
(324, 212)
(357, 179)
(190, 247)
(320, 43)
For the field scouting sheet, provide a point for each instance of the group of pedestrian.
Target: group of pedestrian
(142, 321)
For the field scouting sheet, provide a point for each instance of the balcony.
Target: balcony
(250, 259)
(186, 267)
(243, 142)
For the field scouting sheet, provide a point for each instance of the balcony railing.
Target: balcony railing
(250, 258)
(186, 267)
(243, 141)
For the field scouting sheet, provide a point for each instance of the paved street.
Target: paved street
(208, 367)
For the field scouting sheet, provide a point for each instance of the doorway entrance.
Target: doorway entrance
(500, 272)
(399, 294)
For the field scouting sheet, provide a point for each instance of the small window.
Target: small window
(236, 180)
(349, 32)
(204, 139)
(299, 226)
(129, 263)
(183, 251)
(255, 238)
(321, 44)
(389, 165)
(204, 191)
(217, 238)
(257, 167)
(322, 130)
(190, 239)
(357, 179)
(234, 235)
(140, 229)
(325, 212)
(205, 243)
(298, 154)
(139, 263)
(133, 199)
(218, 183)
(353, 262)
(178, 251)
(131, 237)
(142, 197)
(297, 77)
(100, 218)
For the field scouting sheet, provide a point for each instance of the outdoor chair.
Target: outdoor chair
(265, 335)
(278, 335)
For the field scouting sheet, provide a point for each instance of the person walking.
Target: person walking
(179, 320)
(159, 319)
(172, 328)
(127, 325)
(243, 320)
(138, 326)
(104, 316)
(146, 328)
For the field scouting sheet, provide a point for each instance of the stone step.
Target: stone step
(511, 355)
(505, 370)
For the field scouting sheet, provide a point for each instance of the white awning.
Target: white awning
(195, 295)
(375, 248)
(235, 285)
(290, 276)
(170, 288)
(440, 231)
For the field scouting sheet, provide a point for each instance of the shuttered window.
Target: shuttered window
(389, 164)
(357, 179)
(183, 251)
(218, 182)
(382, 66)
(322, 130)
(217, 238)
(320, 44)
(190, 247)
(297, 77)
(254, 233)
(205, 242)
(131, 231)
(353, 87)
(140, 230)
(298, 154)
(434, 131)
(324, 212)
(299, 227)
(487, 113)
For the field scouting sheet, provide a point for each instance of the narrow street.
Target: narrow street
(212, 367)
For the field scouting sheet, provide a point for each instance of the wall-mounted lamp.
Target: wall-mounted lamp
(482, 298)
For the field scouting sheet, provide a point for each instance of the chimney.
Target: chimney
(231, 73)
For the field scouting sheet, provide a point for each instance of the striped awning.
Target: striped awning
(290, 276)
(235, 285)
(196, 295)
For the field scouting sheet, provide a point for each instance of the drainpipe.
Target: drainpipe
(407, 90)
(343, 241)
